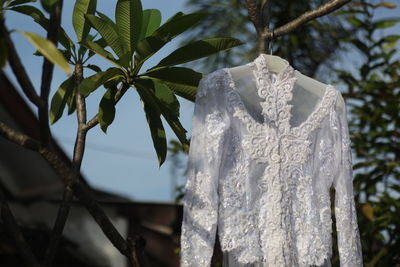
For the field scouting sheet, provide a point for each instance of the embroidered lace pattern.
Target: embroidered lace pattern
(284, 221)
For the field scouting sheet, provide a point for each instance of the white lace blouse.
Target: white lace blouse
(263, 178)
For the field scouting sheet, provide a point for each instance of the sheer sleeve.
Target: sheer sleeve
(349, 245)
(200, 210)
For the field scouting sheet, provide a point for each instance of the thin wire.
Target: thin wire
(111, 150)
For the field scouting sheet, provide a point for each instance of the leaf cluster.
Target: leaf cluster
(126, 42)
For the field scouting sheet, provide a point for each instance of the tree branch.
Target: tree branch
(19, 70)
(68, 194)
(80, 190)
(306, 17)
(47, 75)
(80, 141)
(58, 227)
(260, 17)
(12, 228)
(254, 15)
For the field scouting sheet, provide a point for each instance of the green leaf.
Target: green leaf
(354, 21)
(174, 26)
(128, 17)
(82, 49)
(386, 23)
(40, 19)
(93, 82)
(107, 19)
(93, 67)
(106, 112)
(48, 50)
(175, 16)
(178, 24)
(151, 21)
(183, 81)
(19, 2)
(100, 42)
(198, 49)
(107, 31)
(167, 111)
(147, 47)
(60, 98)
(71, 102)
(96, 48)
(167, 97)
(153, 113)
(81, 26)
(361, 46)
(48, 5)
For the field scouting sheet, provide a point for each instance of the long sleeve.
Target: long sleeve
(349, 244)
(200, 210)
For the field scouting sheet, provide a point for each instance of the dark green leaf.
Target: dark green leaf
(174, 26)
(81, 26)
(151, 21)
(60, 98)
(106, 112)
(19, 2)
(107, 31)
(183, 81)
(167, 97)
(153, 112)
(101, 43)
(147, 47)
(82, 49)
(93, 67)
(93, 82)
(198, 49)
(108, 20)
(386, 23)
(66, 54)
(48, 5)
(177, 25)
(128, 17)
(354, 21)
(167, 112)
(71, 102)
(96, 48)
(40, 19)
(361, 46)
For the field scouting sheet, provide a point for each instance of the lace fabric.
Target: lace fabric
(265, 185)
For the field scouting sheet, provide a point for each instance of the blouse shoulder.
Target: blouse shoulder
(340, 105)
(209, 81)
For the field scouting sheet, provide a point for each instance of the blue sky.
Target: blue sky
(122, 161)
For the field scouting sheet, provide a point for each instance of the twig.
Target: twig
(13, 229)
(58, 227)
(47, 75)
(261, 22)
(19, 70)
(95, 120)
(137, 247)
(306, 17)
